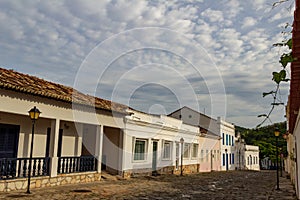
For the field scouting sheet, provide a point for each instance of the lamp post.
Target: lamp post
(34, 114)
(277, 133)
(181, 167)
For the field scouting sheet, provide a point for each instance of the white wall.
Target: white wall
(227, 129)
(251, 158)
(156, 128)
(112, 149)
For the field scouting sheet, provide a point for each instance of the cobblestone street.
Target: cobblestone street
(215, 185)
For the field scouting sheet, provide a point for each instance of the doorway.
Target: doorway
(154, 158)
(9, 137)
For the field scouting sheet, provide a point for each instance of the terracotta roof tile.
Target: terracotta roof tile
(12, 80)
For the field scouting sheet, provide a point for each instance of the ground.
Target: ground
(215, 185)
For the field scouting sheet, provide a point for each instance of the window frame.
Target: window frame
(188, 150)
(197, 150)
(145, 150)
(163, 150)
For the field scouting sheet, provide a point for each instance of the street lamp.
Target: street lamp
(181, 168)
(34, 114)
(226, 159)
(277, 133)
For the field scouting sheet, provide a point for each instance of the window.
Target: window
(232, 143)
(229, 140)
(177, 150)
(223, 139)
(232, 158)
(186, 153)
(202, 155)
(207, 156)
(195, 150)
(226, 139)
(215, 155)
(223, 159)
(140, 149)
(167, 150)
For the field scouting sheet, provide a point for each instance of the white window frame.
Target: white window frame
(197, 150)
(145, 149)
(207, 155)
(169, 149)
(186, 148)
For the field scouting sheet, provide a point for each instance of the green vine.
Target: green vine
(278, 78)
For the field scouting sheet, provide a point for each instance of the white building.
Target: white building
(223, 131)
(227, 132)
(68, 137)
(152, 145)
(251, 157)
(247, 156)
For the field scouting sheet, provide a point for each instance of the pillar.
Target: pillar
(99, 147)
(53, 147)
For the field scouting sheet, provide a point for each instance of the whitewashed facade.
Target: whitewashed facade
(228, 150)
(251, 157)
(210, 141)
(152, 144)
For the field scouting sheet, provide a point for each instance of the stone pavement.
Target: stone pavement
(231, 185)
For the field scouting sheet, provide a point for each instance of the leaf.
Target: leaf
(289, 43)
(279, 76)
(285, 59)
(262, 115)
(267, 93)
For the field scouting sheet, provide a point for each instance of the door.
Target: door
(226, 161)
(9, 137)
(177, 156)
(60, 138)
(154, 158)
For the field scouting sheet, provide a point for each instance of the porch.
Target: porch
(63, 152)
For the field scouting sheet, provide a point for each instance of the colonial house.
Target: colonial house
(251, 157)
(211, 146)
(69, 136)
(227, 132)
(157, 144)
(247, 156)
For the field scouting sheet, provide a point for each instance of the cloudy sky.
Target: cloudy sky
(155, 56)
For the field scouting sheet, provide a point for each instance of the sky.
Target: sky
(216, 57)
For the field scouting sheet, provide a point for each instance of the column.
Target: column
(120, 152)
(99, 146)
(125, 154)
(53, 147)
